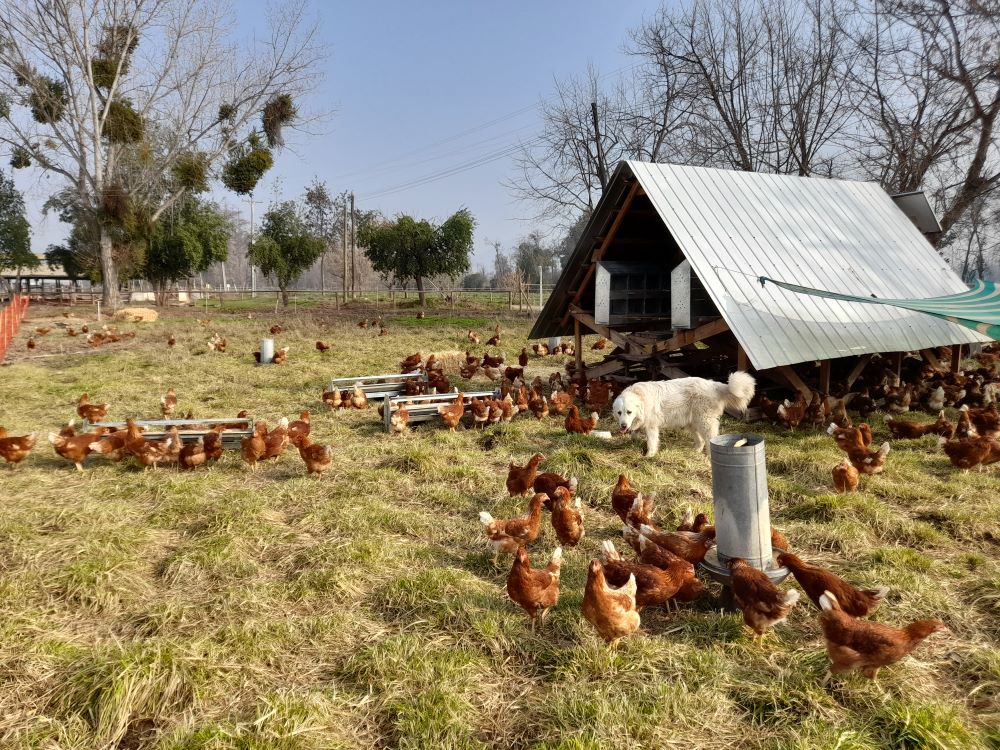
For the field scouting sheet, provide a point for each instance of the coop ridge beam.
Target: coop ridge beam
(603, 247)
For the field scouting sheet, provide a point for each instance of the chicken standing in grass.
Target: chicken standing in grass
(507, 534)
(193, 455)
(168, 403)
(75, 447)
(567, 518)
(815, 580)
(14, 449)
(90, 412)
(277, 440)
(845, 476)
(612, 611)
(399, 420)
(253, 448)
(865, 645)
(763, 604)
(317, 458)
(521, 479)
(534, 590)
(359, 399)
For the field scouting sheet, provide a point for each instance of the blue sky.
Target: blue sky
(402, 76)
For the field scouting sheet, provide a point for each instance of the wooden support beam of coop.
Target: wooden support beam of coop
(603, 247)
(897, 366)
(693, 336)
(824, 377)
(956, 357)
(858, 369)
(605, 368)
(932, 359)
(582, 317)
(742, 361)
(794, 380)
(577, 345)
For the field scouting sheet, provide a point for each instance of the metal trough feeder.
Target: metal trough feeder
(742, 511)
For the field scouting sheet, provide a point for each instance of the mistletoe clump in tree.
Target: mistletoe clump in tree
(410, 249)
(286, 247)
(137, 105)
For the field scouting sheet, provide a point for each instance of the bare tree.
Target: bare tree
(762, 83)
(135, 102)
(561, 170)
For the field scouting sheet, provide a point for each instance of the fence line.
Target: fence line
(380, 298)
(10, 321)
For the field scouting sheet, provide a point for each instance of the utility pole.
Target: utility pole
(343, 249)
(540, 286)
(354, 243)
(253, 268)
(602, 169)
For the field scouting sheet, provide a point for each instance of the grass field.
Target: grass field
(219, 609)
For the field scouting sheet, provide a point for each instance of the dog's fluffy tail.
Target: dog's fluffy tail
(740, 391)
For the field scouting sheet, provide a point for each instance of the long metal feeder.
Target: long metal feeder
(425, 408)
(378, 386)
(157, 429)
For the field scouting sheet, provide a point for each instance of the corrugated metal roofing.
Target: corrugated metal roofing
(836, 235)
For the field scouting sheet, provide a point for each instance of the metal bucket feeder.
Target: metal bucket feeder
(554, 341)
(742, 512)
(266, 351)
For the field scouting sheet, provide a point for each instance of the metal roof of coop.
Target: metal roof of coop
(836, 235)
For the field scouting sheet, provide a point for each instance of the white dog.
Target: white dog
(694, 403)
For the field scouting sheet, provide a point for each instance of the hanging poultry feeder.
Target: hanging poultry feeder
(266, 351)
(742, 512)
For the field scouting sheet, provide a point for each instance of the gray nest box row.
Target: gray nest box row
(742, 511)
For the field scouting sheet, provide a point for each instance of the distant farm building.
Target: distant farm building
(668, 266)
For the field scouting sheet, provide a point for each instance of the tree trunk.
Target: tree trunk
(420, 290)
(284, 296)
(109, 274)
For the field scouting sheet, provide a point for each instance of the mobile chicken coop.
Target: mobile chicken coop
(668, 270)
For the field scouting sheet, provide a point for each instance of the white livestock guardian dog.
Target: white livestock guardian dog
(694, 403)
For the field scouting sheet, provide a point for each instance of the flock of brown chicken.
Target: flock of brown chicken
(663, 571)
(970, 441)
(517, 396)
(118, 445)
(663, 574)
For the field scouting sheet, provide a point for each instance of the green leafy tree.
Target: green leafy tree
(285, 248)
(15, 234)
(187, 241)
(411, 249)
(531, 255)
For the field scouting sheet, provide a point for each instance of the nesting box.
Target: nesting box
(629, 293)
(742, 512)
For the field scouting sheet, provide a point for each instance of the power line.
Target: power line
(456, 169)
(396, 161)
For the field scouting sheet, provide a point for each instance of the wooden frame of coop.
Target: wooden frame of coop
(667, 270)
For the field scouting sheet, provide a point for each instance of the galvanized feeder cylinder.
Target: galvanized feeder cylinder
(554, 341)
(742, 511)
(266, 351)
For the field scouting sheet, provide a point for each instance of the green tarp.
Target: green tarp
(978, 308)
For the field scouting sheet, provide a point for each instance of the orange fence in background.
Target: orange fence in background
(10, 320)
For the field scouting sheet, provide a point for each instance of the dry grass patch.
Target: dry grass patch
(218, 610)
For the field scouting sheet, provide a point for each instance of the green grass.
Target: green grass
(220, 610)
